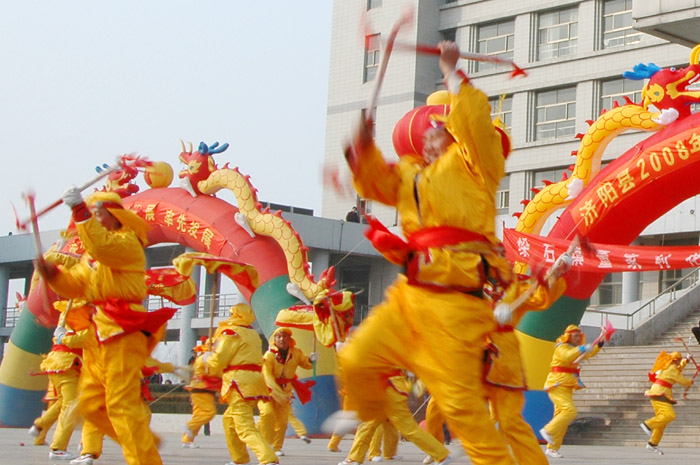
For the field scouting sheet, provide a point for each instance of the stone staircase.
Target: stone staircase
(613, 405)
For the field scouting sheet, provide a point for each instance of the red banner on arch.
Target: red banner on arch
(539, 250)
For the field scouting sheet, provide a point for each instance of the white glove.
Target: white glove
(313, 356)
(59, 332)
(503, 314)
(206, 355)
(72, 197)
(562, 265)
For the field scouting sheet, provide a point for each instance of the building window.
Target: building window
(617, 24)
(502, 107)
(503, 195)
(373, 4)
(609, 291)
(449, 34)
(557, 33)
(556, 113)
(616, 89)
(371, 57)
(540, 179)
(498, 40)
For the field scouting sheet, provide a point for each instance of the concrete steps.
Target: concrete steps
(613, 405)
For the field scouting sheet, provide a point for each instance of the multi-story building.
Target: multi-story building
(574, 53)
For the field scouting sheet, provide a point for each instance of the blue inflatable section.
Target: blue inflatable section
(324, 401)
(26, 406)
(538, 410)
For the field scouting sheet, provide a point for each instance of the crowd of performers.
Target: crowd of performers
(458, 296)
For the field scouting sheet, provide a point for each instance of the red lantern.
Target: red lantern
(409, 131)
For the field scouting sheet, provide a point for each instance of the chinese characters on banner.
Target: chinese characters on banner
(193, 230)
(655, 162)
(531, 250)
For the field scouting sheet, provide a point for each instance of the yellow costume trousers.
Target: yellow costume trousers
(446, 332)
(663, 415)
(239, 428)
(110, 396)
(297, 425)
(434, 421)
(507, 407)
(203, 410)
(387, 434)
(564, 414)
(273, 422)
(46, 421)
(397, 412)
(92, 440)
(67, 385)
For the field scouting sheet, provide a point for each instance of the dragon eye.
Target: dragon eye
(672, 68)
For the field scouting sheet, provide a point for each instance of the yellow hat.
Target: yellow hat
(242, 315)
(114, 205)
(571, 329)
(292, 342)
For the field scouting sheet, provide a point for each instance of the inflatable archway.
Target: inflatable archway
(204, 223)
(613, 205)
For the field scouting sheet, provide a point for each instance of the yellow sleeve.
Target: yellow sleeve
(566, 353)
(470, 124)
(226, 346)
(72, 283)
(120, 250)
(374, 178)
(541, 299)
(268, 371)
(75, 340)
(161, 367)
(304, 361)
(677, 377)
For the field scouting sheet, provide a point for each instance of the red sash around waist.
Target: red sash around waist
(663, 383)
(397, 250)
(245, 367)
(574, 371)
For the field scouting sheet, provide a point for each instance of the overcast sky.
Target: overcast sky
(84, 81)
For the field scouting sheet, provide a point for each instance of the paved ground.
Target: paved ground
(16, 448)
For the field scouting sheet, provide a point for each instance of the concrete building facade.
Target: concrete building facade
(574, 53)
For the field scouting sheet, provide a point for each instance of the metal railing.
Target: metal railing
(203, 309)
(647, 310)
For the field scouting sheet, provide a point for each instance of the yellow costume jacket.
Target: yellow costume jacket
(238, 361)
(666, 378)
(65, 356)
(112, 268)
(279, 373)
(564, 370)
(457, 192)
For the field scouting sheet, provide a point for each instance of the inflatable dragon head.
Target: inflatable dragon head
(669, 87)
(198, 165)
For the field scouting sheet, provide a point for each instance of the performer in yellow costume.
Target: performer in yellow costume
(92, 439)
(561, 382)
(446, 201)
(111, 276)
(280, 364)
(63, 366)
(238, 360)
(40, 427)
(397, 389)
(385, 443)
(504, 376)
(203, 388)
(665, 373)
